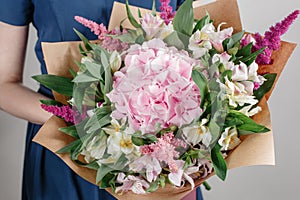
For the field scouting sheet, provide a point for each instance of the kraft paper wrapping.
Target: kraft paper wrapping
(254, 150)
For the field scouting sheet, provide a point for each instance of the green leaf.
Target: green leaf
(94, 123)
(85, 77)
(219, 163)
(139, 13)
(227, 73)
(245, 51)
(266, 87)
(72, 72)
(140, 39)
(215, 131)
(174, 40)
(131, 17)
(85, 41)
(94, 69)
(70, 147)
(201, 23)
(70, 130)
(78, 94)
(202, 83)
(153, 8)
(59, 84)
(153, 187)
(139, 140)
(102, 171)
(162, 181)
(249, 126)
(51, 102)
(82, 51)
(108, 181)
(252, 57)
(236, 38)
(129, 37)
(184, 19)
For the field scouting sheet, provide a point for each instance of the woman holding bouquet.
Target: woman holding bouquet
(45, 175)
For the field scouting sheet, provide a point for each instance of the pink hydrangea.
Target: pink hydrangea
(155, 88)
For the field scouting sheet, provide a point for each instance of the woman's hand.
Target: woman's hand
(15, 98)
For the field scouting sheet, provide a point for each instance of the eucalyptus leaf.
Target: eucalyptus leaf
(70, 130)
(183, 21)
(70, 147)
(94, 69)
(202, 83)
(174, 40)
(85, 77)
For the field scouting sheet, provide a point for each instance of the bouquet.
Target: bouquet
(162, 101)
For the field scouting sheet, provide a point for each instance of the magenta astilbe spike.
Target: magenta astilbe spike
(98, 29)
(166, 11)
(64, 112)
(271, 39)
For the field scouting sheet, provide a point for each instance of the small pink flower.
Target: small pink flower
(164, 151)
(155, 87)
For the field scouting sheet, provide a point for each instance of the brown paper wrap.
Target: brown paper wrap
(255, 149)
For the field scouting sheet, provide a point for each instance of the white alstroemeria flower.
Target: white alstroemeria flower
(250, 112)
(236, 94)
(229, 139)
(240, 72)
(136, 184)
(223, 58)
(119, 141)
(151, 25)
(199, 44)
(149, 164)
(95, 148)
(115, 61)
(178, 178)
(165, 31)
(217, 38)
(253, 75)
(198, 133)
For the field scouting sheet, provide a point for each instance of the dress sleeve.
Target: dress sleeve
(16, 12)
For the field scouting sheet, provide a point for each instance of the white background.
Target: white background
(259, 183)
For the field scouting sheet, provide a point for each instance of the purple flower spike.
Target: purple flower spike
(166, 11)
(271, 40)
(64, 112)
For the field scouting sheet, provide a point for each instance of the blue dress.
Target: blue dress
(45, 176)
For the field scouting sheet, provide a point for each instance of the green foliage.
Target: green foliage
(70, 130)
(245, 124)
(219, 163)
(183, 21)
(59, 84)
(51, 102)
(131, 17)
(266, 87)
(202, 83)
(139, 140)
(202, 22)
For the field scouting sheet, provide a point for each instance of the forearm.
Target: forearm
(22, 102)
